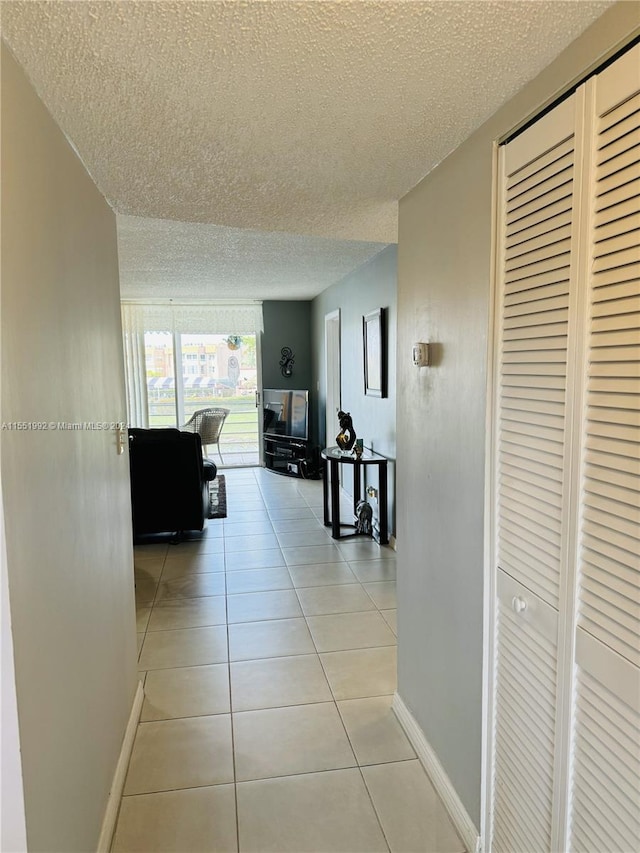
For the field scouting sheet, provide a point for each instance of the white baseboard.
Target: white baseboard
(117, 786)
(392, 542)
(439, 779)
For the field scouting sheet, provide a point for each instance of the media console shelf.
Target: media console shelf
(286, 432)
(285, 455)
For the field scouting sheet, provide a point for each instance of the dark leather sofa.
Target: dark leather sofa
(169, 481)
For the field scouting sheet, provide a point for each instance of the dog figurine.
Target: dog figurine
(364, 516)
(346, 438)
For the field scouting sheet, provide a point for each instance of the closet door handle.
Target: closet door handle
(518, 604)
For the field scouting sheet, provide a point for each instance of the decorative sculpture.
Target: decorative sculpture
(233, 369)
(233, 341)
(346, 438)
(287, 360)
(364, 516)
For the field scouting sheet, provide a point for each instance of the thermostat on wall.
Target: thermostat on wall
(421, 355)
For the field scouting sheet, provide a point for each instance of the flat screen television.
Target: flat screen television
(286, 413)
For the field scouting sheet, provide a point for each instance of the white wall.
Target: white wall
(66, 493)
(444, 268)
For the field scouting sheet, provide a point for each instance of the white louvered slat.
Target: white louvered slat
(619, 517)
(617, 117)
(526, 226)
(627, 239)
(539, 424)
(609, 445)
(535, 304)
(517, 290)
(528, 297)
(612, 502)
(622, 130)
(514, 487)
(543, 191)
(545, 230)
(516, 420)
(521, 478)
(603, 565)
(619, 225)
(548, 237)
(622, 417)
(628, 433)
(621, 161)
(541, 167)
(529, 339)
(621, 593)
(528, 496)
(625, 141)
(614, 259)
(619, 202)
(612, 404)
(631, 272)
(616, 290)
(525, 165)
(615, 189)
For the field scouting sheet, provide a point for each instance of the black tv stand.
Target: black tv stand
(285, 455)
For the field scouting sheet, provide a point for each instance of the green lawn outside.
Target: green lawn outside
(241, 425)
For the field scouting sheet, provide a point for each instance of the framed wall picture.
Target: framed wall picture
(373, 333)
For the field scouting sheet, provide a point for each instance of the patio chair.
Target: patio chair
(208, 424)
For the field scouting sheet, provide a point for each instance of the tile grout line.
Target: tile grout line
(231, 717)
(152, 605)
(344, 728)
(233, 744)
(347, 733)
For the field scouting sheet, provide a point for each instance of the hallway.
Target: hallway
(268, 655)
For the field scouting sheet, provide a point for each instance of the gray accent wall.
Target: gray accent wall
(444, 275)
(66, 499)
(286, 324)
(371, 286)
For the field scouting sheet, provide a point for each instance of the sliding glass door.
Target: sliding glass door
(188, 372)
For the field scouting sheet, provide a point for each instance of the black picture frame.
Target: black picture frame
(375, 357)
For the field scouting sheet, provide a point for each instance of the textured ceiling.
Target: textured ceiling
(173, 259)
(305, 117)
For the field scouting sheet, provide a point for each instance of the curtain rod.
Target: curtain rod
(211, 302)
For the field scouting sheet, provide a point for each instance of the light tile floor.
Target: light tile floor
(268, 656)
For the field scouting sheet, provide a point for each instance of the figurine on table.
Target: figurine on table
(364, 518)
(346, 438)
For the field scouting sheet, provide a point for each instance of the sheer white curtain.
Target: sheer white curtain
(134, 365)
(189, 318)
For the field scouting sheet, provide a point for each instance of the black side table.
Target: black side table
(333, 457)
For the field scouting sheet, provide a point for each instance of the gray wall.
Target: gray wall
(67, 509)
(444, 268)
(286, 324)
(371, 286)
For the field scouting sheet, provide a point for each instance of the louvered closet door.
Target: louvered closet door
(605, 796)
(538, 268)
